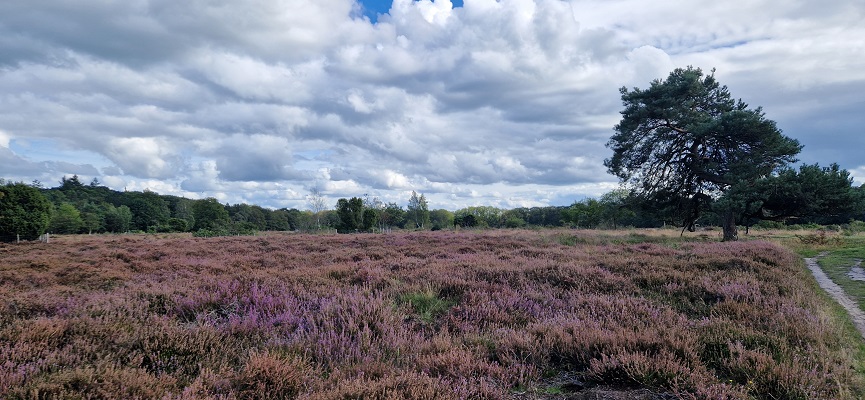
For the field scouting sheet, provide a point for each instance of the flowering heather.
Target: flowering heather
(437, 315)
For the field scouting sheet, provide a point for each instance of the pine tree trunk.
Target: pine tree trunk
(731, 233)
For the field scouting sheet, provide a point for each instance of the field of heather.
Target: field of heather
(444, 315)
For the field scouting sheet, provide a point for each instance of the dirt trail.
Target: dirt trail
(837, 293)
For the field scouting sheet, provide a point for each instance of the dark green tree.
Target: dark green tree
(350, 212)
(175, 225)
(615, 208)
(282, 219)
(686, 139)
(370, 219)
(813, 193)
(149, 210)
(24, 212)
(588, 213)
(254, 216)
(118, 219)
(210, 215)
(181, 208)
(392, 215)
(465, 220)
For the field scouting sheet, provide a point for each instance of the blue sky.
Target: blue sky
(373, 8)
(506, 103)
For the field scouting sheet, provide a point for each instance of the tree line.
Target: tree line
(810, 195)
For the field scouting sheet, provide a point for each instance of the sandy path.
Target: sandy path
(837, 293)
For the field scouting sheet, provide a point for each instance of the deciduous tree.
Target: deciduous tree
(210, 215)
(66, 219)
(417, 211)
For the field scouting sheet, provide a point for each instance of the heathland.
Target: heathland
(445, 315)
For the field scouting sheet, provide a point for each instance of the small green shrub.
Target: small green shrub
(427, 304)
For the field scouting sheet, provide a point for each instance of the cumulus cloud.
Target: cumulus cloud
(504, 103)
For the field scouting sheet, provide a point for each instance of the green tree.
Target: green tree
(350, 212)
(24, 212)
(392, 215)
(282, 220)
(175, 225)
(465, 220)
(818, 194)
(118, 219)
(616, 208)
(441, 219)
(254, 216)
(66, 219)
(92, 217)
(181, 208)
(210, 215)
(481, 216)
(370, 219)
(149, 210)
(685, 138)
(417, 211)
(588, 213)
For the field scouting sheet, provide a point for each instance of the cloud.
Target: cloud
(496, 102)
(144, 157)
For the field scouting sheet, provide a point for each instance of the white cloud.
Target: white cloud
(858, 175)
(146, 157)
(500, 102)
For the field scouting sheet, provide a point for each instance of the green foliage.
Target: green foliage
(392, 215)
(417, 211)
(177, 225)
(685, 139)
(427, 304)
(66, 219)
(210, 215)
(149, 210)
(370, 219)
(282, 220)
(465, 220)
(813, 193)
(210, 233)
(854, 227)
(481, 216)
(24, 212)
(251, 214)
(92, 217)
(584, 214)
(182, 208)
(118, 219)
(350, 212)
(441, 219)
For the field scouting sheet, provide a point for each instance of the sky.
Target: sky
(505, 103)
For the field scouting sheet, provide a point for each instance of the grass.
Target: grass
(837, 264)
(426, 304)
(417, 315)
